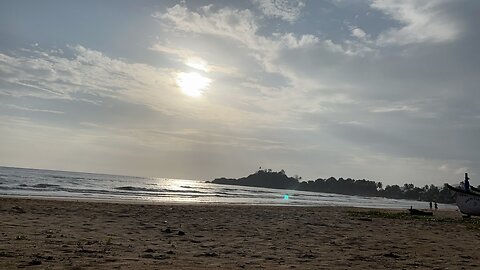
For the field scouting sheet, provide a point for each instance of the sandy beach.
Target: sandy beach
(55, 234)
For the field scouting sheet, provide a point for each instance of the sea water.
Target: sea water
(75, 185)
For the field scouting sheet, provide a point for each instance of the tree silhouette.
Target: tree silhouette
(271, 179)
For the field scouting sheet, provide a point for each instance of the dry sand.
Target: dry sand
(53, 234)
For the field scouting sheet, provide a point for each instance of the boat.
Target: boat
(416, 212)
(475, 189)
(468, 201)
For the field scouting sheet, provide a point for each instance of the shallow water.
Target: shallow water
(49, 183)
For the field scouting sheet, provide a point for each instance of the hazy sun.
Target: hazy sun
(192, 83)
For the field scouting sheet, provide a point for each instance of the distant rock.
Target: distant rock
(261, 178)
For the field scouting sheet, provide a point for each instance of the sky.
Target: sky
(380, 90)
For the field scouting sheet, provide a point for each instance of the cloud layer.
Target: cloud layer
(388, 92)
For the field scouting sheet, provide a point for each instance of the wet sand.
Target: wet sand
(55, 234)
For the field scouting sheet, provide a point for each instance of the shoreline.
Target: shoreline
(449, 207)
(59, 234)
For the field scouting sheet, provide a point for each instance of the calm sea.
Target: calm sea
(76, 185)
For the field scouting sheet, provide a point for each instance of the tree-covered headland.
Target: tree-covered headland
(280, 180)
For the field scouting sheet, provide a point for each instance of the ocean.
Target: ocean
(21, 182)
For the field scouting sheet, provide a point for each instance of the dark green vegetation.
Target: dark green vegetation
(470, 223)
(272, 179)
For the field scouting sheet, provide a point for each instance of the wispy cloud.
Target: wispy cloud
(366, 88)
(399, 108)
(288, 10)
(30, 109)
(422, 21)
(54, 76)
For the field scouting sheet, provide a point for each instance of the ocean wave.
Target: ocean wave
(156, 190)
(130, 188)
(29, 182)
(56, 188)
(43, 185)
(87, 191)
(57, 176)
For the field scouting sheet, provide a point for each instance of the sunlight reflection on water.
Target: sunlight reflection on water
(29, 182)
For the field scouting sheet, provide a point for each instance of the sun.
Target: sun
(192, 83)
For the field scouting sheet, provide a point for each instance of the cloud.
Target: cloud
(461, 170)
(55, 76)
(221, 138)
(290, 41)
(287, 10)
(89, 75)
(86, 74)
(421, 21)
(121, 93)
(348, 87)
(455, 168)
(191, 58)
(358, 33)
(266, 53)
(238, 25)
(258, 55)
(398, 108)
(12, 106)
(325, 79)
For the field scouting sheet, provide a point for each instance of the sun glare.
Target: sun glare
(192, 84)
